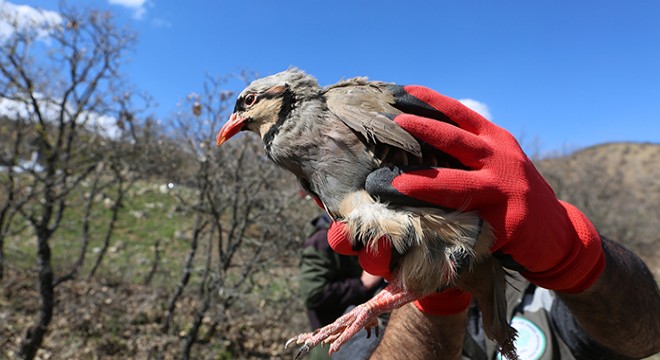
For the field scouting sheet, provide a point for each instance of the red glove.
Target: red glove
(549, 241)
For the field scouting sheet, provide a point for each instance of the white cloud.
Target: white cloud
(103, 125)
(161, 23)
(138, 6)
(22, 17)
(477, 106)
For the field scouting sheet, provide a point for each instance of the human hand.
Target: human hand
(549, 241)
(370, 281)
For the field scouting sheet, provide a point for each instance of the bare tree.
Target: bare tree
(244, 206)
(65, 88)
(13, 197)
(154, 264)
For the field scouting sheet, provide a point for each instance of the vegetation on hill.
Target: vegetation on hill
(617, 185)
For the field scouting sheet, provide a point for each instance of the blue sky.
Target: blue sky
(567, 74)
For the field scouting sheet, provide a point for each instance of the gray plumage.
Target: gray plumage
(331, 139)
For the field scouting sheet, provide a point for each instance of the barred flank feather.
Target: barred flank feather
(430, 238)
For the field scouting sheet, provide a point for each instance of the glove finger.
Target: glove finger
(439, 187)
(467, 148)
(452, 109)
(339, 240)
(379, 185)
(410, 104)
(378, 260)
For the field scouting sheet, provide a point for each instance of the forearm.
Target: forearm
(621, 310)
(411, 334)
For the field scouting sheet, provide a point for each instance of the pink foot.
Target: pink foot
(362, 316)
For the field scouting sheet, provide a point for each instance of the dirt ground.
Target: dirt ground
(102, 319)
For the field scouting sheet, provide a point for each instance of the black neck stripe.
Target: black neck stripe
(288, 104)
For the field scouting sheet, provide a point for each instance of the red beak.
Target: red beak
(231, 128)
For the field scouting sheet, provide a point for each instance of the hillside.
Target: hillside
(639, 163)
(618, 186)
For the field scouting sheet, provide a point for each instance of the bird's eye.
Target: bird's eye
(250, 100)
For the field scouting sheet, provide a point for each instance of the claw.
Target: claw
(288, 342)
(368, 328)
(303, 350)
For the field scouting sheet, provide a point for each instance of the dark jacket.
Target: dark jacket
(329, 282)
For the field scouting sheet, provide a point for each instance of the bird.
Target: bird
(331, 138)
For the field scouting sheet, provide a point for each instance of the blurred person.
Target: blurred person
(332, 284)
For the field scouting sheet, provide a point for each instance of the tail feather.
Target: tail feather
(503, 333)
(487, 282)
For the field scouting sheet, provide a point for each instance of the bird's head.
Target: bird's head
(267, 102)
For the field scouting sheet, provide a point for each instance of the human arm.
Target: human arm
(412, 334)
(621, 310)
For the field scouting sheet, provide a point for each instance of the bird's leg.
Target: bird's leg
(362, 316)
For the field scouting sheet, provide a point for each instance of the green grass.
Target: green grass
(148, 215)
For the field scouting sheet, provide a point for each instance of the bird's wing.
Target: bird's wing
(364, 107)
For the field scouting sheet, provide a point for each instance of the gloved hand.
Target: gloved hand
(549, 241)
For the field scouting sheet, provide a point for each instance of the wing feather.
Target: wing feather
(364, 107)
